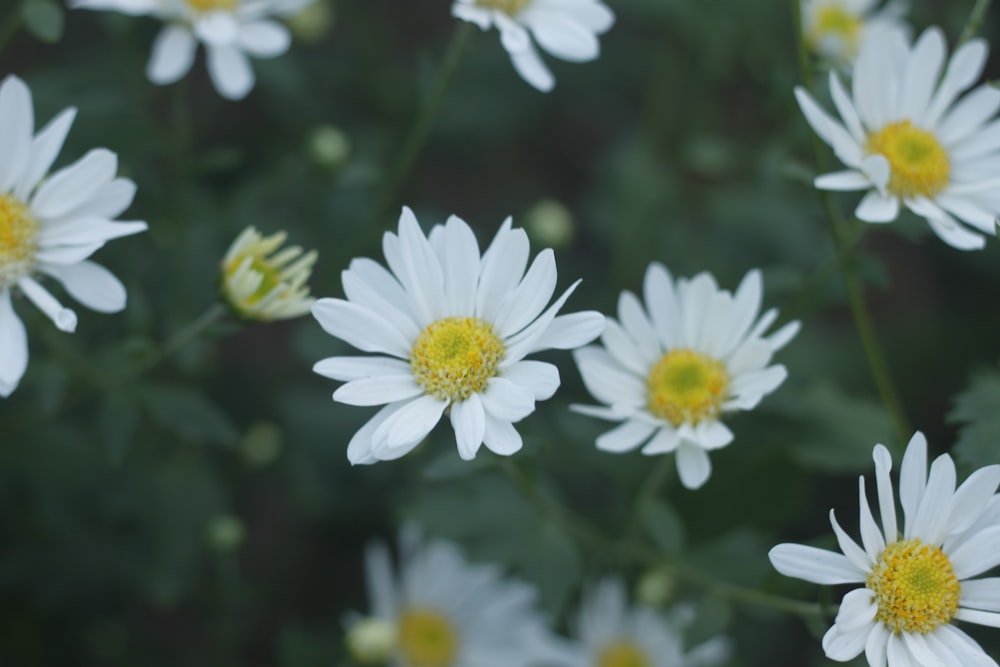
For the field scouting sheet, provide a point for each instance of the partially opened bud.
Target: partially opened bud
(264, 283)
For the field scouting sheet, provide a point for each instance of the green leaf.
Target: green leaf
(975, 409)
(663, 526)
(189, 415)
(44, 19)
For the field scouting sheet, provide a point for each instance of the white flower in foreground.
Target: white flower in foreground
(442, 611)
(231, 30)
(917, 582)
(612, 634)
(567, 29)
(261, 284)
(51, 224)
(908, 140)
(835, 29)
(670, 370)
(453, 328)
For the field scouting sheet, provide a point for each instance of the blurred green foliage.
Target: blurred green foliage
(199, 509)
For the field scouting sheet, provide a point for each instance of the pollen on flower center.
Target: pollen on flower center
(211, 5)
(509, 7)
(427, 638)
(454, 357)
(18, 239)
(918, 163)
(687, 387)
(836, 22)
(622, 653)
(915, 587)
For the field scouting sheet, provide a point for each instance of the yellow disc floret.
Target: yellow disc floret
(211, 5)
(509, 7)
(838, 23)
(918, 163)
(687, 387)
(454, 357)
(915, 587)
(18, 239)
(427, 638)
(622, 653)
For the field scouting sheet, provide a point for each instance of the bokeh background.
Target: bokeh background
(194, 506)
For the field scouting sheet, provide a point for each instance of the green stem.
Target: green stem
(649, 488)
(9, 28)
(212, 315)
(848, 268)
(975, 21)
(417, 133)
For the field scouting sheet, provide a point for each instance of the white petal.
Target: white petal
(847, 180)
(502, 268)
(977, 554)
(920, 650)
(405, 428)
(539, 377)
(923, 69)
(361, 327)
(913, 478)
(561, 36)
(86, 231)
(621, 346)
(378, 390)
(506, 400)
(461, 266)
(664, 441)
(854, 553)
(469, 421)
(568, 332)
(971, 498)
(217, 28)
(969, 115)
(230, 71)
(963, 70)
(357, 368)
(989, 618)
(876, 207)
(63, 318)
(883, 485)
(693, 465)
(172, 56)
(816, 565)
(713, 435)
(91, 284)
(843, 645)
(501, 437)
(19, 127)
(846, 108)
(605, 380)
(529, 298)
(981, 594)
(527, 340)
(947, 229)
(964, 647)
(662, 304)
(625, 437)
(14, 343)
(530, 67)
(360, 448)
(876, 645)
(73, 185)
(871, 538)
(829, 130)
(931, 521)
(264, 39)
(44, 149)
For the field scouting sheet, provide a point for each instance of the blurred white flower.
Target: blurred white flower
(262, 283)
(908, 140)
(613, 634)
(567, 29)
(917, 581)
(231, 30)
(51, 224)
(447, 612)
(669, 371)
(455, 327)
(835, 29)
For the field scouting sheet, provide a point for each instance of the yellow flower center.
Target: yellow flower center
(211, 5)
(687, 387)
(915, 587)
(427, 638)
(18, 239)
(509, 7)
(622, 653)
(454, 357)
(837, 22)
(918, 163)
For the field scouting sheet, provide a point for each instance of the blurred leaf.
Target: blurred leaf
(976, 411)
(119, 421)
(44, 19)
(664, 526)
(187, 414)
(711, 617)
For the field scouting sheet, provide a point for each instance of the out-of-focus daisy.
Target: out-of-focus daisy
(261, 284)
(452, 329)
(908, 140)
(670, 370)
(231, 30)
(835, 29)
(917, 581)
(613, 634)
(443, 611)
(51, 224)
(567, 29)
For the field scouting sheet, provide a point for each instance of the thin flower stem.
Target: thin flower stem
(975, 21)
(417, 133)
(649, 489)
(877, 364)
(202, 323)
(10, 27)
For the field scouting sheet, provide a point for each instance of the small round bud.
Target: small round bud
(550, 223)
(371, 641)
(329, 147)
(225, 533)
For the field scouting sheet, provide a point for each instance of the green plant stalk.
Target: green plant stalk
(975, 21)
(417, 133)
(877, 364)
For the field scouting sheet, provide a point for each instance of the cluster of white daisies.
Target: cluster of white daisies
(449, 328)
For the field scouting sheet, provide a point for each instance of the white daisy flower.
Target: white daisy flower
(908, 140)
(231, 30)
(835, 29)
(612, 634)
(453, 328)
(670, 370)
(918, 581)
(567, 29)
(50, 225)
(261, 283)
(443, 611)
